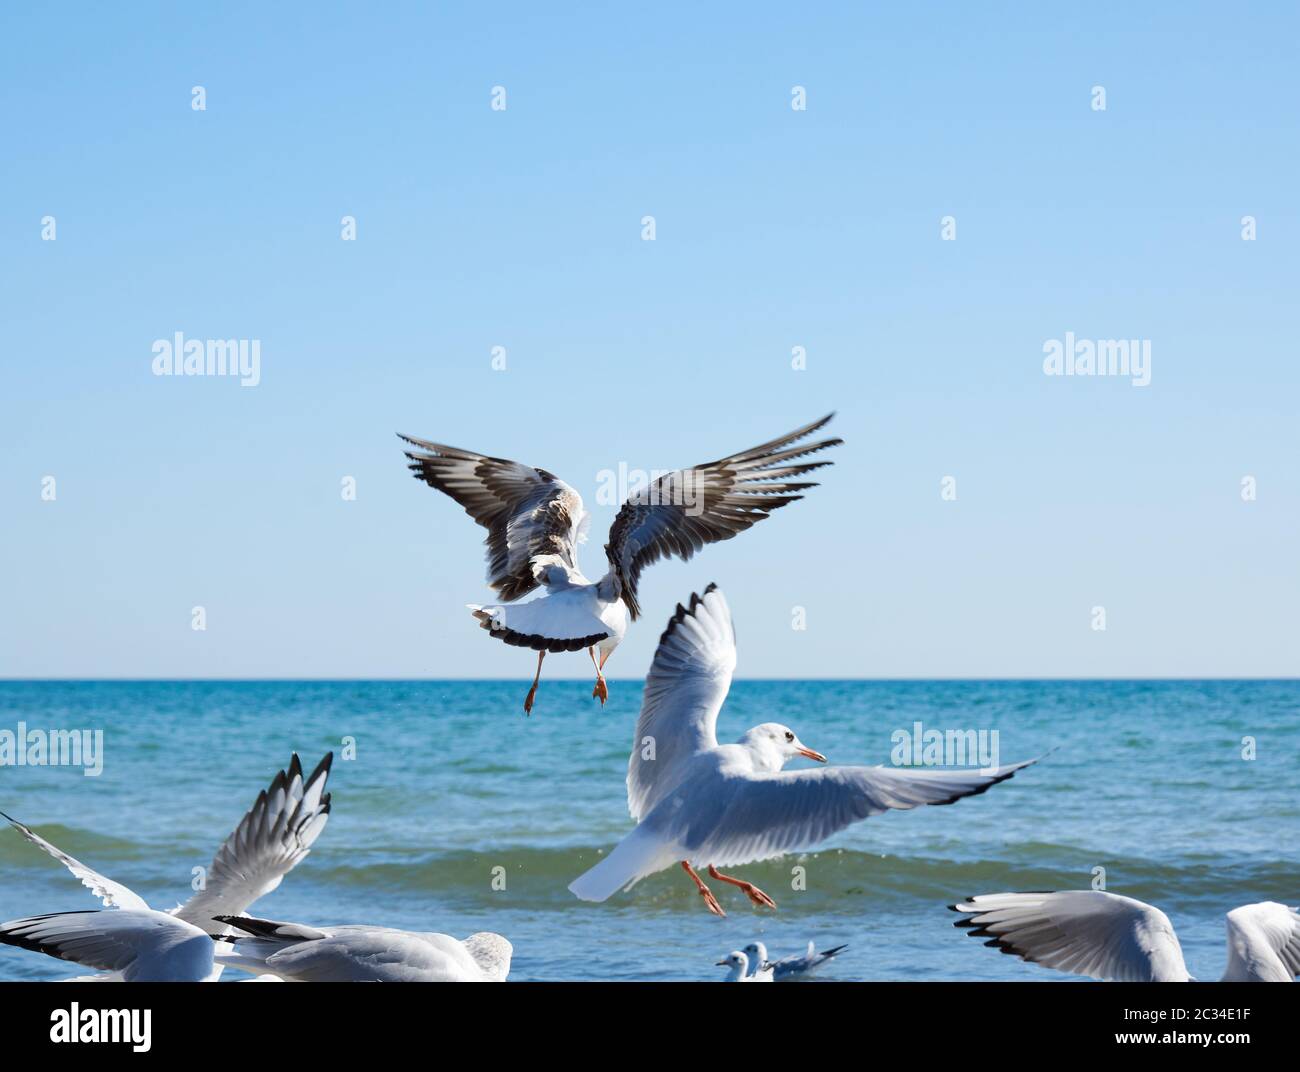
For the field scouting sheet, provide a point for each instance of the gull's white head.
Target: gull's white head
(773, 745)
(757, 954)
(737, 962)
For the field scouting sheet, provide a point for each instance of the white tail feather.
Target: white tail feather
(637, 855)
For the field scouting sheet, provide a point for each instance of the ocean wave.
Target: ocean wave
(831, 876)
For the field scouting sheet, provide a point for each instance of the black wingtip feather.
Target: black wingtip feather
(255, 927)
(264, 928)
(987, 785)
(35, 945)
(323, 767)
(682, 613)
(22, 942)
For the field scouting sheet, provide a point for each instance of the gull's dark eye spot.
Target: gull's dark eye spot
(789, 736)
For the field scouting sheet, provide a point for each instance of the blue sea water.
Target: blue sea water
(450, 782)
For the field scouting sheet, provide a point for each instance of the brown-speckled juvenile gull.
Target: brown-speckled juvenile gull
(535, 522)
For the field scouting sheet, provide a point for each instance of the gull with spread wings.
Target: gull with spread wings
(701, 804)
(136, 943)
(535, 522)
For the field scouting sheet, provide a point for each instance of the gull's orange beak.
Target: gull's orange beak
(812, 755)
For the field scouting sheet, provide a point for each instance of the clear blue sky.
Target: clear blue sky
(775, 229)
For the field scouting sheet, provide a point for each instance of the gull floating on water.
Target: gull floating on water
(795, 966)
(738, 962)
(356, 954)
(702, 804)
(535, 522)
(135, 943)
(1120, 939)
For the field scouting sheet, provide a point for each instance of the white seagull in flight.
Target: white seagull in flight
(136, 943)
(701, 804)
(294, 953)
(535, 522)
(1121, 939)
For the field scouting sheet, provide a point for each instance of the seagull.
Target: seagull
(535, 522)
(136, 943)
(700, 804)
(795, 966)
(356, 954)
(1121, 939)
(738, 962)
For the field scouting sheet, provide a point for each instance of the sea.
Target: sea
(454, 812)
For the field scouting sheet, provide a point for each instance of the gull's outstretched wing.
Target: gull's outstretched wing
(269, 842)
(1085, 932)
(113, 894)
(681, 512)
(757, 816)
(687, 683)
(142, 945)
(1263, 944)
(527, 511)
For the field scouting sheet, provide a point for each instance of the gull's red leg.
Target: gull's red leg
(751, 891)
(532, 693)
(705, 892)
(601, 690)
